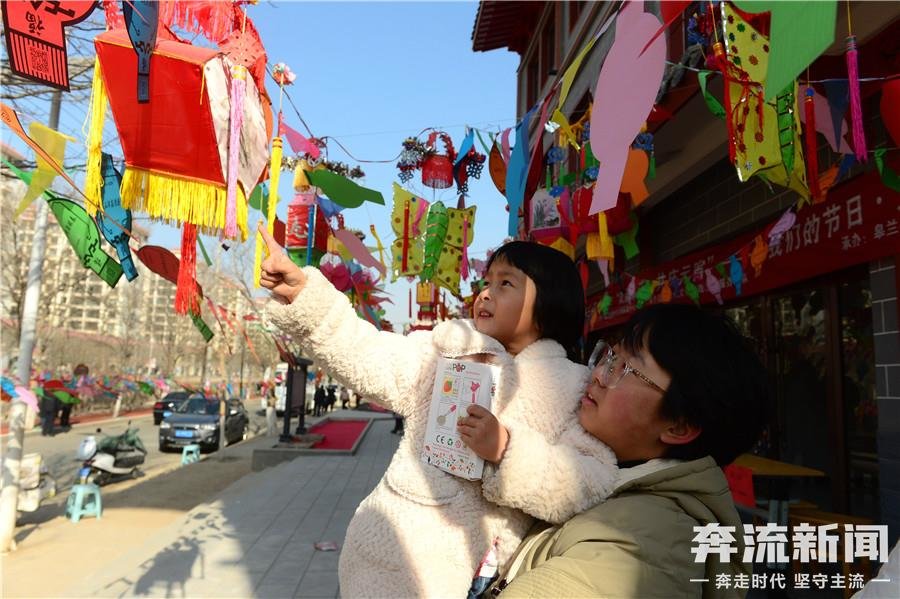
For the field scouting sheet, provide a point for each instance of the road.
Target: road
(59, 452)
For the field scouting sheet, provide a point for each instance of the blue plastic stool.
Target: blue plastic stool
(190, 454)
(84, 500)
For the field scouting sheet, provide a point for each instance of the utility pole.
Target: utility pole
(12, 460)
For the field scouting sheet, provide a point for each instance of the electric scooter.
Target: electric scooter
(113, 456)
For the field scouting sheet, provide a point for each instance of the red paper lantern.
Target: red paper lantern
(437, 169)
(297, 233)
(437, 172)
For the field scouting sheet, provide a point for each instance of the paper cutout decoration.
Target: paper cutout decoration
(83, 236)
(299, 144)
(766, 137)
(334, 269)
(497, 168)
(114, 221)
(11, 120)
(408, 220)
(54, 143)
(633, 176)
(715, 107)
(164, 263)
(35, 38)
(342, 190)
(202, 327)
(737, 273)
(435, 234)
(798, 34)
(141, 22)
(890, 179)
(714, 286)
(623, 97)
(176, 146)
(358, 250)
(516, 173)
(825, 126)
(454, 259)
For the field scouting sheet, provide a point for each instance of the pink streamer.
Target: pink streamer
(504, 144)
(420, 212)
(358, 250)
(856, 118)
(464, 267)
(238, 89)
(604, 270)
(299, 143)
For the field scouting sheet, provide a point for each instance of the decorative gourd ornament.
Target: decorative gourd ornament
(435, 233)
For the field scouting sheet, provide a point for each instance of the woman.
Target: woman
(680, 395)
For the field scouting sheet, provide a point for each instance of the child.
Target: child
(422, 531)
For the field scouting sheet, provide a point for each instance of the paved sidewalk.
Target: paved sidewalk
(256, 538)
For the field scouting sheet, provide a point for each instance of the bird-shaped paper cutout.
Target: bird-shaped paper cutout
(623, 97)
(82, 233)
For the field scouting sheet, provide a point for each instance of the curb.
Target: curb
(90, 419)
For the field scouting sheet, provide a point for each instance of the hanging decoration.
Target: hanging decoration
(181, 177)
(54, 144)
(141, 22)
(114, 221)
(342, 190)
(304, 216)
(408, 223)
(437, 169)
(81, 231)
(623, 97)
(834, 132)
(798, 33)
(36, 39)
(856, 116)
(765, 139)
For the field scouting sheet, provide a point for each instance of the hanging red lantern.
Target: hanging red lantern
(437, 169)
(300, 215)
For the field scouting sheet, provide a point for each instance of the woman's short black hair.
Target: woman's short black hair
(559, 302)
(718, 382)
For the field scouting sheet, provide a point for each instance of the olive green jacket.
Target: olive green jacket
(637, 544)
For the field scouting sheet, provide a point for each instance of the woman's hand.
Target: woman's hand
(279, 274)
(483, 433)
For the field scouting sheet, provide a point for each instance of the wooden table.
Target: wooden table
(761, 466)
(779, 475)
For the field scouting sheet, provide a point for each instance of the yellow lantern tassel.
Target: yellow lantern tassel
(274, 176)
(606, 243)
(93, 180)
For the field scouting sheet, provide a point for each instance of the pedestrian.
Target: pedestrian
(49, 407)
(422, 532)
(332, 398)
(269, 395)
(398, 424)
(345, 397)
(319, 400)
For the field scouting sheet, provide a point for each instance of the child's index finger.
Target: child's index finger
(271, 244)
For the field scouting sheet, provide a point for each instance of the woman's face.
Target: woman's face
(626, 417)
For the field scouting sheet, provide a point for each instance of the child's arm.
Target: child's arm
(550, 481)
(383, 366)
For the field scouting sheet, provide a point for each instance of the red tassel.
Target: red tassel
(856, 117)
(186, 295)
(405, 249)
(812, 154)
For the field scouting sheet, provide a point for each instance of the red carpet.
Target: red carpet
(339, 434)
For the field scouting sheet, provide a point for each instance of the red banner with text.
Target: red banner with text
(859, 222)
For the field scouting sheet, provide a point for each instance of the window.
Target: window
(532, 86)
(548, 50)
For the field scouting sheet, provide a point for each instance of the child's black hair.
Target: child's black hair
(559, 301)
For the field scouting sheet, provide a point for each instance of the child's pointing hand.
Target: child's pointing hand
(483, 433)
(279, 274)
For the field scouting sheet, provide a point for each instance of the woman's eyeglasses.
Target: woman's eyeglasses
(613, 368)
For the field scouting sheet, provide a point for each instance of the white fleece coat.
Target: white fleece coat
(422, 532)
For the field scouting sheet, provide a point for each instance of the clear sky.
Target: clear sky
(373, 73)
(370, 74)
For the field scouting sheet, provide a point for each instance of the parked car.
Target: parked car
(168, 404)
(197, 421)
